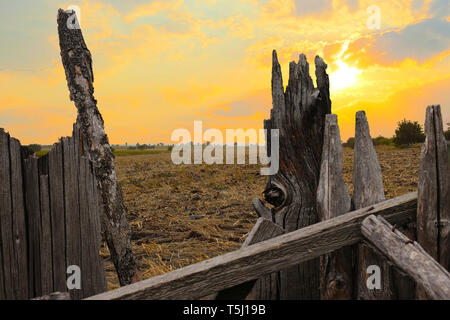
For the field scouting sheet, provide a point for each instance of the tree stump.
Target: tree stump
(299, 114)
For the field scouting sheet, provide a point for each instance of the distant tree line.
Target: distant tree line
(406, 134)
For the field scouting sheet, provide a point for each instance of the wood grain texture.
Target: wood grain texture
(45, 238)
(265, 257)
(433, 213)
(267, 287)
(368, 190)
(72, 210)
(299, 114)
(57, 211)
(408, 256)
(333, 199)
(77, 62)
(33, 210)
(6, 242)
(19, 228)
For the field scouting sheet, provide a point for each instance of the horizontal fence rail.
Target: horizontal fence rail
(254, 261)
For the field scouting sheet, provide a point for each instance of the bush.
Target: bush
(35, 147)
(408, 133)
(350, 143)
(378, 141)
(447, 133)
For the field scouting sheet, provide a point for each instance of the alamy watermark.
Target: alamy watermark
(235, 139)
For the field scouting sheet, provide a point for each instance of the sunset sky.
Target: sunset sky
(159, 65)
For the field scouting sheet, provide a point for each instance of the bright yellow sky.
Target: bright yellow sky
(159, 65)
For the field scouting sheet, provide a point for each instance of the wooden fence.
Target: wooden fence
(49, 220)
(374, 232)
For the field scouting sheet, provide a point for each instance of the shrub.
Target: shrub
(408, 133)
(447, 133)
(350, 143)
(35, 147)
(378, 141)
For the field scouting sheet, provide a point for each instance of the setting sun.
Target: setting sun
(344, 77)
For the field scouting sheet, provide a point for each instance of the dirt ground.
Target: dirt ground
(184, 214)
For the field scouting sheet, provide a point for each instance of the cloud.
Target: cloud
(257, 102)
(307, 7)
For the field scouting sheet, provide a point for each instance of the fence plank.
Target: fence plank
(433, 213)
(6, 243)
(20, 271)
(45, 238)
(334, 200)
(56, 179)
(73, 236)
(269, 256)
(408, 256)
(267, 287)
(32, 205)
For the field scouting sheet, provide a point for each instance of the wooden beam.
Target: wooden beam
(409, 256)
(262, 258)
(260, 289)
(333, 200)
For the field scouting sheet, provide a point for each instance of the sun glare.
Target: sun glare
(345, 76)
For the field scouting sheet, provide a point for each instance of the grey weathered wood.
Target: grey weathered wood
(299, 114)
(87, 240)
(368, 190)
(71, 197)
(45, 238)
(334, 200)
(264, 229)
(77, 62)
(265, 257)
(20, 272)
(57, 210)
(408, 256)
(95, 208)
(32, 205)
(6, 243)
(55, 296)
(433, 213)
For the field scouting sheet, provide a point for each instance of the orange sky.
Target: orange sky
(159, 65)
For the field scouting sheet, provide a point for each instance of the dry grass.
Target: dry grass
(181, 215)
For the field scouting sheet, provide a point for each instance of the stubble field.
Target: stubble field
(184, 214)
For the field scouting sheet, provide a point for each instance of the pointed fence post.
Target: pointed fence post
(333, 199)
(433, 207)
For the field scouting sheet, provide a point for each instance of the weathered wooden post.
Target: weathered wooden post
(77, 62)
(409, 256)
(299, 114)
(368, 190)
(433, 206)
(333, 199)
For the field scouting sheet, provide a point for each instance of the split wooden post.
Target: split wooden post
(77, 62)
(266, 287)
(333, 199)
(409, 256)
(433, 210)
(368, 190)
(299, 114)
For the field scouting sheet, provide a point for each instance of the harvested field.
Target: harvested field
(184, 214)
